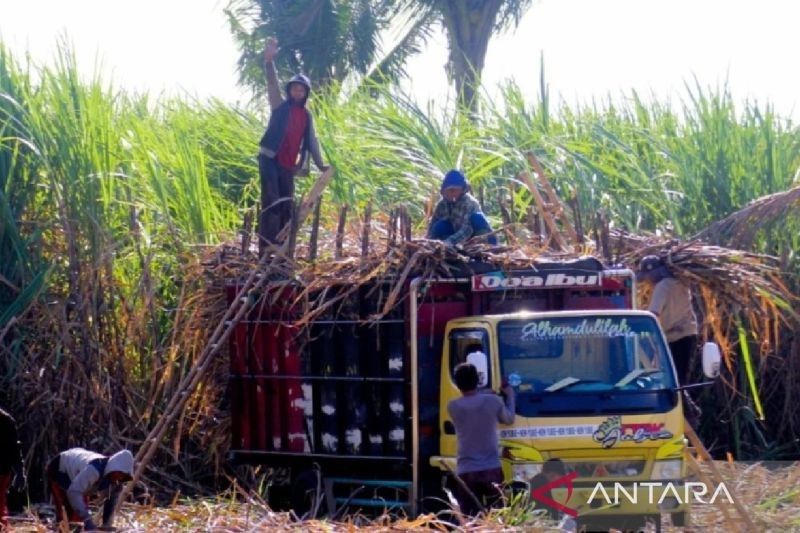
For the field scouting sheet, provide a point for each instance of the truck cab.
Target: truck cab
(595, 389)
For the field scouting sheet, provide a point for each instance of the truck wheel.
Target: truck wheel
(305, 493)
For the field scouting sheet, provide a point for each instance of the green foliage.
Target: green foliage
(103, 195)
(333, 41)
(329, 41)
(22, 272)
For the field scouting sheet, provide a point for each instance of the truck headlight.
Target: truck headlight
(525, 471)
(670, 469)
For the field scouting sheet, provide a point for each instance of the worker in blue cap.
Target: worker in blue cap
(458, 215)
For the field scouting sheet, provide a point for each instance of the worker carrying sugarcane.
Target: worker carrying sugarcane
(284, 148)
(671, 302)
(12, 468)
(475, 417)
(76, 474)
(458, 215)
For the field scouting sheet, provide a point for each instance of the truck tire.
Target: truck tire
(305, 493)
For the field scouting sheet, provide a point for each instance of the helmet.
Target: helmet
(302, 79)
(647, 265)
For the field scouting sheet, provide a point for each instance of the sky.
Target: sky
(592, 49)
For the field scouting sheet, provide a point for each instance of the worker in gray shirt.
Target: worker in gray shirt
(475, 416)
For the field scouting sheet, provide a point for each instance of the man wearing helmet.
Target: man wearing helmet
(672, 304)
(284, 148)
(76, 474)
(458, 215)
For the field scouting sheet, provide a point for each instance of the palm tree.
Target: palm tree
(326, 39)
(331, 40)
(469, 26)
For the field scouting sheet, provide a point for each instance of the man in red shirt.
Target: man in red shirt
(284, 148)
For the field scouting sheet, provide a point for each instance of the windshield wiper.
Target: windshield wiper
(562, 384)
(568, 382)
(635, 374)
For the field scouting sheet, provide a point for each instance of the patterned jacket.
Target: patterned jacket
(458, 214)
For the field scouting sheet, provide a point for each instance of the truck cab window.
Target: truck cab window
(471, 346)
(575, 355)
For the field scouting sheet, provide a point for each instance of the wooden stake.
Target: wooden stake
(366, 230)
(294, 228)
(603, 235)
(504, 214)
(576, 215)
(247, 229)
(340, 232)
(390, 238)
(405, 223)
(312, 242)
(307, 204)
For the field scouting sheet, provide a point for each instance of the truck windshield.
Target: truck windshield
(580, 354)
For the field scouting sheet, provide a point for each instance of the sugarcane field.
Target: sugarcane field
(369, 266)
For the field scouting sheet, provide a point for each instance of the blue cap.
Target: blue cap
(454, 178)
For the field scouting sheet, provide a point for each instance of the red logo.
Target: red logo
(541, 494)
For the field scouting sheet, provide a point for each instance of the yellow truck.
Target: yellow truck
(350, 411)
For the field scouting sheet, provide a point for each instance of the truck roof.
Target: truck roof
(557, 314)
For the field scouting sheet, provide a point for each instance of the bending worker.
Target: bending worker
(76, 474)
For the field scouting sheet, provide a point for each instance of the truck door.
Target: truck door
(464, 344)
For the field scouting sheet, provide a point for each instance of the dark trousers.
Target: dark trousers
(277, 197)
(485, 485)
(443, 228)
(682, 352)
(58, 483)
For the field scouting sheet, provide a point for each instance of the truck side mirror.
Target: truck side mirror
(481, 364)
(711, 360)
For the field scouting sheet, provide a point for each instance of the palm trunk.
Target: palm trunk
(469, 26)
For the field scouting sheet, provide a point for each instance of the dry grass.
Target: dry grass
(771, 496)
